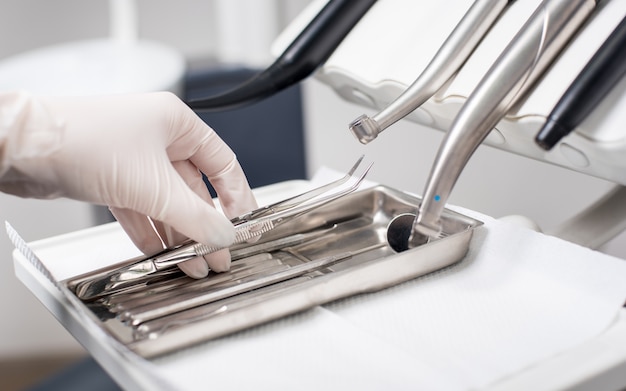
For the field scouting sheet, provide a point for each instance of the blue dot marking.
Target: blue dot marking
(437, 197)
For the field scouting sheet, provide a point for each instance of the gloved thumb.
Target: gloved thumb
(172, 202)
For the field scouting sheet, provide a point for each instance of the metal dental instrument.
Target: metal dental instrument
(513, 73)
(449, 58)
(247, 226)
(280, 274)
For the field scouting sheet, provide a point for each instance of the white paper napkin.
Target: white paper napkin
(518, 297)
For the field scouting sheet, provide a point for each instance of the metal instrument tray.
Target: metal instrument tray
(332, 252)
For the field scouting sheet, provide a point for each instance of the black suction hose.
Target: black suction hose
(308, 51)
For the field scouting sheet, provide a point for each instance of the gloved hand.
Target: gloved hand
(140, 154)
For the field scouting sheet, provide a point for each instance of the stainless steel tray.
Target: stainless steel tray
(333, 252)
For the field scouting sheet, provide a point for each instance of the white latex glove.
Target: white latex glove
(139, 154)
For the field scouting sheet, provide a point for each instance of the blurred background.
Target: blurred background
(220, 43)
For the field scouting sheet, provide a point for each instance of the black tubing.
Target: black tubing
(309, 50)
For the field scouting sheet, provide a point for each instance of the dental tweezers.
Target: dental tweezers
(247, 226)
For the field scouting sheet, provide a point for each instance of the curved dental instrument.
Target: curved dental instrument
(525, 58)
(247, 226)
(449, 58)
(310, 49)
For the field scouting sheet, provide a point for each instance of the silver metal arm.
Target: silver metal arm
(449, 58)
(520, 64)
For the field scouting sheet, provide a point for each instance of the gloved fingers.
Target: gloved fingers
(197, 142)
(198, 267)
(188, 205)
(189, 213)
(235, 195)
(218, 261)
(168, 235)
(139, 228)
(195, 268)
(193, 178)
(232, 188)
(125, 161)
(163, 195)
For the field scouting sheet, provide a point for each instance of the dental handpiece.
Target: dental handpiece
(521, 63)
(449, 58)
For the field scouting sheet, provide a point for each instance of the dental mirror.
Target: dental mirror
(399, 232)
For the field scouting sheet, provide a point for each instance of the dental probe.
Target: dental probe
(521, 63)
(449, 58)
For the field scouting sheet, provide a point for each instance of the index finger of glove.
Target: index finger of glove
(209, 153)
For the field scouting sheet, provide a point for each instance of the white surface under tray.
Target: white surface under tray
(521, 311)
